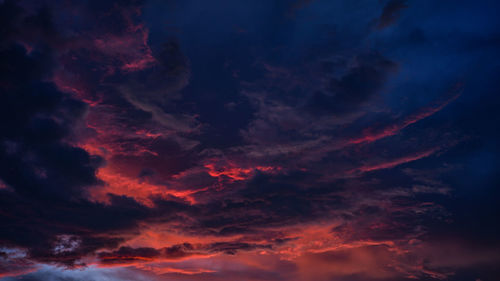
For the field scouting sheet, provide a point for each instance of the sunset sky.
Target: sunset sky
(249, 140)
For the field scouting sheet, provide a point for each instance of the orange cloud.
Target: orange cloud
(235, 173)
(393, 162)
(140, 190)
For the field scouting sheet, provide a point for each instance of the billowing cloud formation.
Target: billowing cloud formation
(250, 140)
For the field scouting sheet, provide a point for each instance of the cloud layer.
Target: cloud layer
(260, 140)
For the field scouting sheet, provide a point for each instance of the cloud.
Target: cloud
(134, 256)
(345, 94)
(371, 135)
(127, 254)
(396, 162)
(391, 13)
(135, 148)
(13, 263)
(47, 175)
(52, 273)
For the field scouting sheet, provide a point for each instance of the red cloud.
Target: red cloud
(371, 135)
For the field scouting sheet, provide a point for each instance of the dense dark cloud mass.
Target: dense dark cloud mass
(249, 140)
(45, 176)
(355, 87)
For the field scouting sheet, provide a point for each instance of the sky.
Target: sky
(299, 140)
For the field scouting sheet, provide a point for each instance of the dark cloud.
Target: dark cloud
(127, 254)
(36, 120)
(391, 12)
(131, 255)
(14, 266)
(47, 176)
(232, 247)
(354, 88)
(248, 141)
(267, 201)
